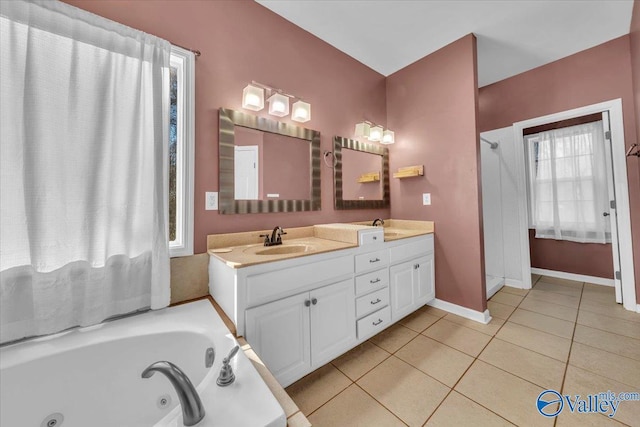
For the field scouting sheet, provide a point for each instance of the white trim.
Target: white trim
(461, 311)
(513, 283)
(572, 276)
(638, 308)
(491, 291)
(621, 186)
(185, 61)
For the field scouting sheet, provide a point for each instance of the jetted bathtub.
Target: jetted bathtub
(91, 377)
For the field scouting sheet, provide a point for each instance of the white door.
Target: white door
(246, 172)
(279, 334)
(423, 281)
(401, 286)
(333, 321)
(612, 213)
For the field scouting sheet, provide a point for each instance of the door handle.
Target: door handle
(605, 214)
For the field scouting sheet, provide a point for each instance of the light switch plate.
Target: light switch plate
(426, 199)
(211, 201)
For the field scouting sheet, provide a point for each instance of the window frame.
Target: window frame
(184, 61)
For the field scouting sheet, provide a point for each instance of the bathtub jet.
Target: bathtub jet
(192, 409)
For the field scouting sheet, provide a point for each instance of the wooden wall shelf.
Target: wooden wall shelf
(369, 177)
(409, 171)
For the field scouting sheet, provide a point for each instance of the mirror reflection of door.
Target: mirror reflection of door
(246, 172)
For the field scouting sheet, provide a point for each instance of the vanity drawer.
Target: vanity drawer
(374, 323)
(369, 237)
(418, 247)
(372, 281)
(372, 260)
(372, 302)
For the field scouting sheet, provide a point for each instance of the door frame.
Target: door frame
(614, 107)
(255, 149)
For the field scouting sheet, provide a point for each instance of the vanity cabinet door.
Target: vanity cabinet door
(402, 288)
(424, 280)
(333, 321)
(279, 332)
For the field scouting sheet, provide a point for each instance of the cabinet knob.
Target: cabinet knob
(416, 266)
(307, 303)
(314, 301)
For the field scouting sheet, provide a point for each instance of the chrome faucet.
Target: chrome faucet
(377, 221)
(192, 409)
(275, 238)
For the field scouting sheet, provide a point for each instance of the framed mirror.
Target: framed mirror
(360, 175)
(266, 165)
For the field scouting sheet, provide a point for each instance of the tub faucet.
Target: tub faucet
(377, 221)
(275, 238)
(192, 409)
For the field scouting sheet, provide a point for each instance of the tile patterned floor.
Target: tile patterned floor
(434, 368)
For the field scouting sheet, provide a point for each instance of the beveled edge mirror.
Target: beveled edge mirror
(351, 144)
(228, 120)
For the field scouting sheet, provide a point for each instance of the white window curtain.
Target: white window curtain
(568, 184)
(83, 196)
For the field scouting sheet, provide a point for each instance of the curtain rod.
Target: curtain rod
(194, 51)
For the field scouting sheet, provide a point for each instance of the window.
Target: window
(567, 184)
(181, 152)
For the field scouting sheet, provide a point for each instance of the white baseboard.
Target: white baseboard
(491, 290)
(461, 311)
(514, 283)
(638, 308)
(572, 276)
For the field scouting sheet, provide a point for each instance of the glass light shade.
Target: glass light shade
(253, 98)
(278, 105)
(301, 112)
(375, 134)
(388, 137)
(362, 130)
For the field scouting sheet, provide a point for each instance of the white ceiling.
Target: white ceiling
(513, 35)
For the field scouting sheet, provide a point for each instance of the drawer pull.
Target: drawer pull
(376, 301)
(377, 323)
(374, 260)
(374, 281)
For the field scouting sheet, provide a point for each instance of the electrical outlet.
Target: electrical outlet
(426, 199)
(211, 201)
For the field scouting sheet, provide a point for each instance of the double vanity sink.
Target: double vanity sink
(303, 296)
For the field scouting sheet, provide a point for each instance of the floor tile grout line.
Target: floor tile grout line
(566, 366)
(548, 315)
(612, 317)
(604, 350)
(329, 400)
(380, 403)
(606, 330)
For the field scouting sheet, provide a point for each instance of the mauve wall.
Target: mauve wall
(594, 75)
(242, 41)
(432, 107)
(592, 259)
(634, 36)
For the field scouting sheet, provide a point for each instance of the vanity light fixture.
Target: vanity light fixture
(362, 130)
(253, 98)
(278, 105)
(375, 134)
(387, 137)
(301, 111)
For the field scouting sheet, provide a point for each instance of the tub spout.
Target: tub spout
(192, 409)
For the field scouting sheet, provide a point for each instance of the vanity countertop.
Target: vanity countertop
(245, 249)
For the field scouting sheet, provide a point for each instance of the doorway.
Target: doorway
(619, 212)
(246, 165)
